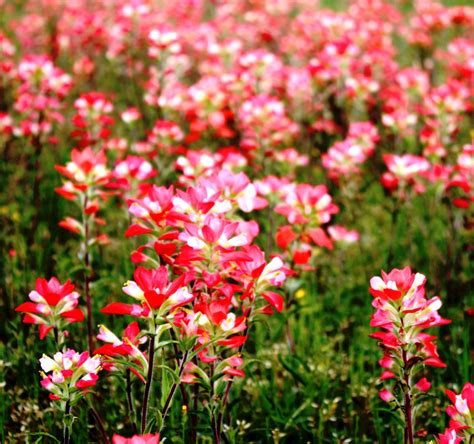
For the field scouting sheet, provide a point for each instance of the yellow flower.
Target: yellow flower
(300, 294)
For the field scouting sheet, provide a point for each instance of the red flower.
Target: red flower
(154, 293)
(53, 305)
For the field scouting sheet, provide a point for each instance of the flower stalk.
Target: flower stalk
(90, 329)
(149, 381)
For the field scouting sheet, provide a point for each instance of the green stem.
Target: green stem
(194, 417)
(184, 395)
(66, 426)
(100, 425)
(170, 397)
(90, 328)
(225, 399)
(131, 410)
(146, 395)
(408, 434)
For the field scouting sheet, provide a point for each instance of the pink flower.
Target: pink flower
(131, 170)
(423, 385)
(345, 157)
(68, 374)
(385, 395)
(263, 118)
(130, 115)
(404, 170)
(148, 438)
(214, 232)
(449, 436)
(86, 168)
(307, 204)
(341, 234)
(462, 409)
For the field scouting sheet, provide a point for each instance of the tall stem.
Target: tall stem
(408, 435)
(38, 148)
(170, 397)
(225, 399)
(56, 337)
(184, 395)
(217, 435)
(90, 334)
(289, 336)
(194, 417)
(131, 410)
(394, 225)
(66, 423)
(149, 381)
(409, 419)
(100, 425)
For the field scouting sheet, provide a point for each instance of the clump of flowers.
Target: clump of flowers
(403, 312)
(461, 425)
(39, 96)
(207, 284)
(449, 437)
(264, 123)
(131, 171)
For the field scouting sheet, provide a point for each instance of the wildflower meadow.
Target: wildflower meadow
(236, 221)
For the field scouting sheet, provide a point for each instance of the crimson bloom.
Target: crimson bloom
(154, 294)
(53, 305)
(117, 352)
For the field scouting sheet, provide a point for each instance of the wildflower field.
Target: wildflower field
(236, 221)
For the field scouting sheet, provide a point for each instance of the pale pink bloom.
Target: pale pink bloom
(341, 234)
(130, 115)
(307, 204)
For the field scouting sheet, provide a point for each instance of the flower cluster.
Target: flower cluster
(92, 119)
(117, 353)
(53, 305)
(403, 312)
(205, 282)
(307, 209)
(461, 425)
(68, 375)
(41, 88)
(86, 174)
(344, 158)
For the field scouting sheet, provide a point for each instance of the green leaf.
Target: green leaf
(165, 385)
(42, 434)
